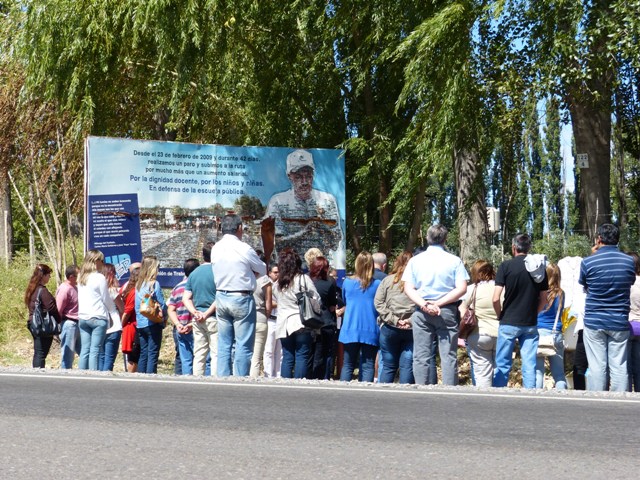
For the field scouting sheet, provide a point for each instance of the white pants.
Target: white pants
(205, 341)
(272, 351)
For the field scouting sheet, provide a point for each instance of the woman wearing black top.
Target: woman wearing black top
(37, 284)
(322, 357)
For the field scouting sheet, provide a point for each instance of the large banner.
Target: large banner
(167, 199)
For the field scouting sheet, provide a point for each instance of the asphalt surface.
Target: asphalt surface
(72, 425)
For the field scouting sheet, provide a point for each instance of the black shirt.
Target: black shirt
(521, 293)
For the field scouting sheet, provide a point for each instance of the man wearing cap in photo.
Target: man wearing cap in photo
(305, 217)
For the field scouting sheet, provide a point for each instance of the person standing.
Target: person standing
(324, 343)
(435, 280)
(37, 289)
(94, 307)
(67, 302)
(607, 277)
(262, 296)
(360, 333)
(111, 345)
(149, 333)
(181, 318)
(523, 299)
(272, 348)
(199, 299)
(235, 268)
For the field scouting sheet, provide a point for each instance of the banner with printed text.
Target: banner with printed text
(168, 199)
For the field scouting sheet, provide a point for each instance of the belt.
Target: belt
(236, 292)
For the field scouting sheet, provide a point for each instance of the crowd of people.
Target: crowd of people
(236, 314)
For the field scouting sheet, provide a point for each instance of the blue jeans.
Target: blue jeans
(109, 351)
(92, 333)
(444, 329)
(184, 341)
(69, 343)
(236, 315)
(527, 337)
(607, 348)
(367, 355)
(296, 354)
(556, 362)
(150, 341)
(634, 364)
(396, 351)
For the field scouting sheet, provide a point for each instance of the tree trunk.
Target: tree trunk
(472, 211)
(592, 133)
(418, 212)
(6, 223)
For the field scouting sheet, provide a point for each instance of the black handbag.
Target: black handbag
(42, 323)
(308, 315)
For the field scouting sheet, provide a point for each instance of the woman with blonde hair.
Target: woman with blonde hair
(482, 341)
(37, 289)
(150, 333)
(360, 332)
(396, 336)
(546, 323)
(94, 307)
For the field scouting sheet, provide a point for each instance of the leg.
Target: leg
(212, 358)
(447, 330)
(540, 371)
(258, 349)
(111, 346)
(244, 325)
(327, 340)
(482, 355)
(185, 344)
(303, 342)
(617, 360)
(405, 364)
(269, 349)
(390, 349)
(225, 342)
(155, 341)
(98, 335)
(143, 335)
(85, 342)
(528, 339)
(423, 335)
(368, 361)
(350, 359)
(634, 363)
(177, 363)
(288, 356)
(68, 340)
(41, 346)
(200, 347)
(595, 344)
(580, 364)
(504, 352)
(556, 364)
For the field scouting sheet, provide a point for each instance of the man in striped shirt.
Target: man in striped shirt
(607, 276)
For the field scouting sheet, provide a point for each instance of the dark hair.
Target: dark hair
(190, 265)
(34, 282)
(636, 261)
(319, 268)
(272, 264)
(289, 265)
(230, 224)
(522, 242)
(609, 234)
(206, 251)
(437, 234)
(70, 271)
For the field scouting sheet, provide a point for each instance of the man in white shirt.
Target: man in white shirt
(235, 269)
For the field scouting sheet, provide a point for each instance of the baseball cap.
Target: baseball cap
(299, 159)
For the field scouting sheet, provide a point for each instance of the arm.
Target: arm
(497, 306)
(542, 300)
(268, 298)
(187, 299)
(62, 298)
(380, 303)
(49, 304)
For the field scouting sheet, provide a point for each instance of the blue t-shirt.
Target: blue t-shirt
(360, 323)
(546, 318)
(607, 276)
(202, 287)
(141, 320)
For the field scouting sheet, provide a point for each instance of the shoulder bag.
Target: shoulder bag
(308, 316)
(546, 343)
(469, 321)
(42, 323)
(150, 308)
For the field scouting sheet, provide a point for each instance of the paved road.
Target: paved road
(81, 426)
